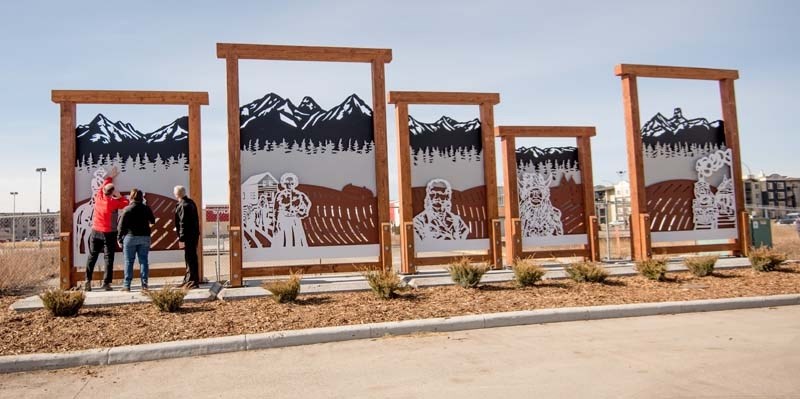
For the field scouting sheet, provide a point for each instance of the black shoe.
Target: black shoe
(126, 289)
(87, 286)
(107, 287)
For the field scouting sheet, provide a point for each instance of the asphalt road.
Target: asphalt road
(751, 353)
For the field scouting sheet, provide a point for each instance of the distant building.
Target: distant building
(26, 226)
(772, 195)
(613, 203)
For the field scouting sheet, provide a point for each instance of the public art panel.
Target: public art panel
(154, 162)
(308, 179)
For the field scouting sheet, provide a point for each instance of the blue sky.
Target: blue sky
(551, 62)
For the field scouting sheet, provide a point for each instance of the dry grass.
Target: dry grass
(527, 272)
(467, 274)
(766, 259)
(785, 239)
(61, 303)
(168, 298)
(586, 272)
(384, 283)
(655, 269)
(284, 291)
(701, 266)
(24, 269)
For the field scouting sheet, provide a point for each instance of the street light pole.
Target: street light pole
(41, 173)
(14, 219)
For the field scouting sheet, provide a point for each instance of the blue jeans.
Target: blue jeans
(133, 246)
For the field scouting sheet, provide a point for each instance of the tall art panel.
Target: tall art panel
(448, 185)
(309, 184)
(549, 205)
(154, 162)
(685, 170)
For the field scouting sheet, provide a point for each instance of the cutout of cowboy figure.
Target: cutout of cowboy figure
(436, 221)
(292, 206)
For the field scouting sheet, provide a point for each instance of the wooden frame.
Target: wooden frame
(67, 101)
(486, 103)
(641, 245)
(513, 224)
(232, 53)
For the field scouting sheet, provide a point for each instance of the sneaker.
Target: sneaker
(126, 289)
(144, 288)
(107, 287)
(87, 286)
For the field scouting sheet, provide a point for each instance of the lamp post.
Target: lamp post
(13, 219)
(41, 173)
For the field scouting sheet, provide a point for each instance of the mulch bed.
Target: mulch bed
(142, 323)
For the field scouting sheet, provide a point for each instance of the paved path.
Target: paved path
(733, 354)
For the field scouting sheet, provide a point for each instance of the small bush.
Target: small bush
(589, 272)
(527, 272)
(764, 259)
(384, 283)
(701, 266)
(168, 298)
(654, 269)
(284, 291)
(62, 303)
(467, 274)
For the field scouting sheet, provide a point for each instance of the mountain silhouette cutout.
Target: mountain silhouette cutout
(102, 136)
(557, 155)
(444, 134)
(273, 119)
(679, 130)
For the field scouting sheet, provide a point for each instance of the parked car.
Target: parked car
(788, 219)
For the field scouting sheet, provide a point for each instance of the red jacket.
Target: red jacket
(104, 208)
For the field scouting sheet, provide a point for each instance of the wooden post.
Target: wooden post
(587, 182)
(731, 123)
(66, 238)
(381, 160)
(407, 253)
(234, 172)
(511, 203)
(196, 175)
(630, 100)
(490, 179)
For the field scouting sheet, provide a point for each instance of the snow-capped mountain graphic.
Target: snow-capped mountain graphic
(104, 137)
(678, 129)
(445, 133)
(273, 119)
(556, 155)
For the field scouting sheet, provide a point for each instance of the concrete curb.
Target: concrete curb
(280, 339)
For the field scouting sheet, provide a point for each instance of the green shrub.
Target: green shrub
(62, 303)
(466, 274)
(168, 298)
(701, 266)
(384, 283)
(590, 272)
(284, 291)
(654, 269)
(765, 259)
(527, 272)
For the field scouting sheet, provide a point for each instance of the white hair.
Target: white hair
(179, 191)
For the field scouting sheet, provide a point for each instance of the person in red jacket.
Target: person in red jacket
(107, 201)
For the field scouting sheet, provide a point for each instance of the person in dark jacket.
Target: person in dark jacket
(107, 200)
(134, 237)
(187, 225)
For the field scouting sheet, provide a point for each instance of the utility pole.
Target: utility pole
(14, 219)
(41, 173)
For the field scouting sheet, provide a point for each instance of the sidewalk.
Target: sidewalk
(742, 353)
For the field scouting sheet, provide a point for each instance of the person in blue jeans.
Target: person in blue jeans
(134, 237)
